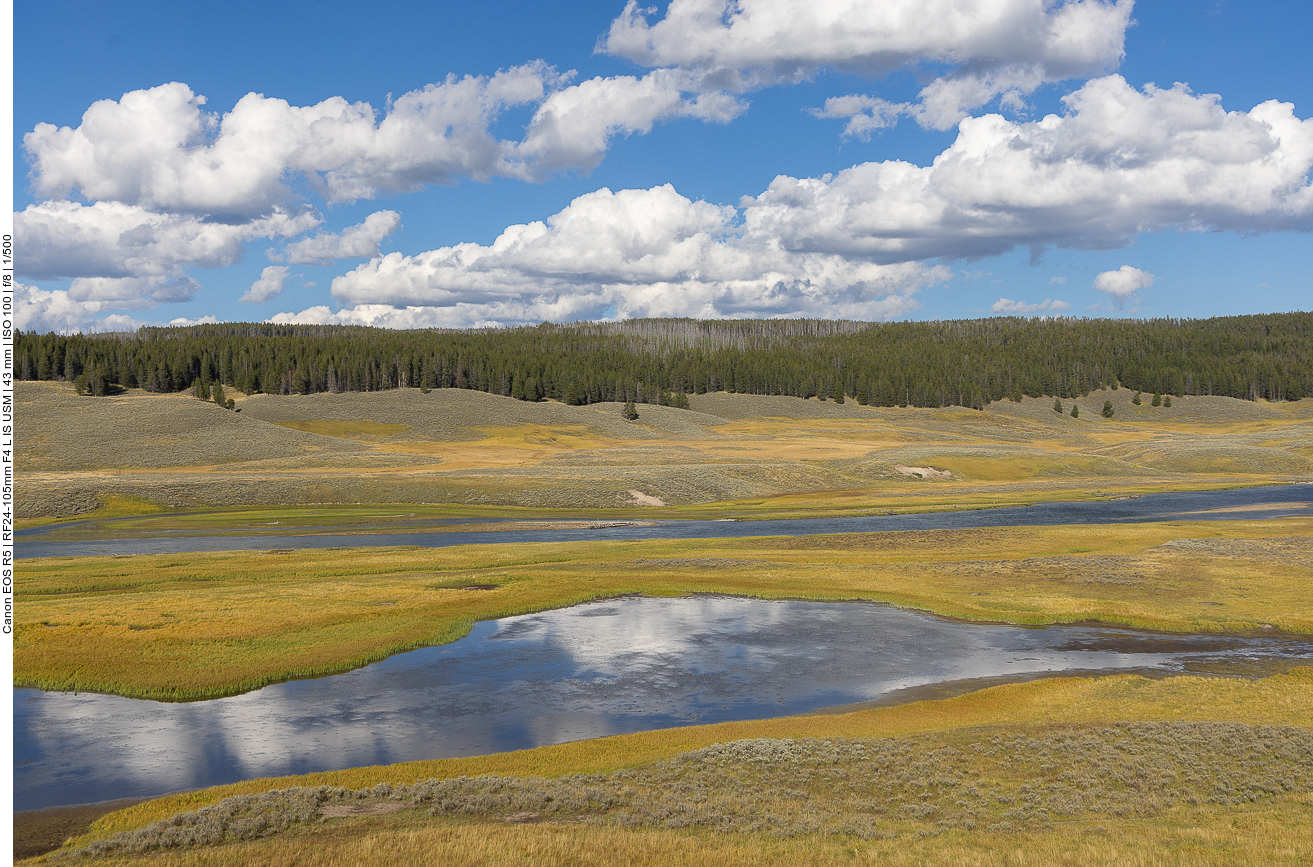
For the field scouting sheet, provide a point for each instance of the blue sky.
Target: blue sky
(832, 158)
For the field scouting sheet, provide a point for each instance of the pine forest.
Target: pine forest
(967, 363)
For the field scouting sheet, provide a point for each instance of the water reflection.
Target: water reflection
(609, 667)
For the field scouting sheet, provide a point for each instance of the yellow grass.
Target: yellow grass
(213, 624)
(502, 446)
(1273, 832)
(350, 429)
(111, 507)
(738, 455)
(195, 625)
(1270, 835)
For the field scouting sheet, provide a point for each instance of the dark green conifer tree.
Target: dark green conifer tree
(573, 394)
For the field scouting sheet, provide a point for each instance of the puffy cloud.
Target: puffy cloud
(59, 310)
(631, 253)
(360, 240)
(134, 292)
(268, 286)
(109, 240)
(178, 187)
(1118, 163)
(200, 320)
(63, 311)
(573, 127)
(526, 311)
(123, 257)
(41, 311)
(1008, 307)
(156, 148)
(1123, 283)
(865, 114)
(994, 48)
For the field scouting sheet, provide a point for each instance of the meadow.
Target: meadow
(1119, 770)
(1047, 772)
(205, 625)
(731, 455)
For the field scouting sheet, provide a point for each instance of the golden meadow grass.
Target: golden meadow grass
(1268, 835)
(207, 625)
(1025, 765)
(992, 780)
(204, 625)
(736, 454)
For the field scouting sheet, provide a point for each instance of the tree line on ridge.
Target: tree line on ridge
(968, 363)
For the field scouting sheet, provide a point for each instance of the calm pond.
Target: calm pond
(622, 665)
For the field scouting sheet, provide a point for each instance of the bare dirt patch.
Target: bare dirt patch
(643, 499)
(923, 472)
(37, 832)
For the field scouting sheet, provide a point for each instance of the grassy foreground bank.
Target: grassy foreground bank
(1018, 774)
(204, 625)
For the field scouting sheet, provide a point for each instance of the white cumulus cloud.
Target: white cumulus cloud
(158, 149)
(171, 185)
(630, 253)
(989, 48)
(268, 286)
(119, 252)
(1123, 283)
(1119, 162)
(41, 311)
(526, 311)
(865, 113)
(574, 126)
(360, 240)
(1008, 307)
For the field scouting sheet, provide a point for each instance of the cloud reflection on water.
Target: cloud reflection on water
(615, 666)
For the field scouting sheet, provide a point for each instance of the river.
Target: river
(1175, 506)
